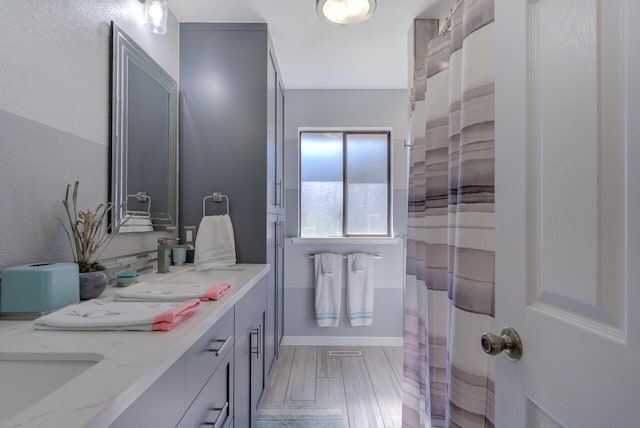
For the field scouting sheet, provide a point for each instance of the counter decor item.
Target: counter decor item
(126, 278)
(87, 239)
(179, 256)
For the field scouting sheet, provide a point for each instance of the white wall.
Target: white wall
(54, 117)
(345, 108)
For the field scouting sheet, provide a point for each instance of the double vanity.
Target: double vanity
(207, 371)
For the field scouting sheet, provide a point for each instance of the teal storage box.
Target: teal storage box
(37, 288)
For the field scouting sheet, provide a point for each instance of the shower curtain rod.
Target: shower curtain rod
(447, 21)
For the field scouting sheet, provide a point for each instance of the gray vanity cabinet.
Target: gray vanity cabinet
(196, 390)
(213, 405)
(232, 141)
(249, 361)
(162, 405)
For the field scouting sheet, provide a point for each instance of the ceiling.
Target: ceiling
(313, 54)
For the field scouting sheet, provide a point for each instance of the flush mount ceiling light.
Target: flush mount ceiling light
(345, 11)
(155, 16)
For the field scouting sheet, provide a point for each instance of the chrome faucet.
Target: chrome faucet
(164, 253)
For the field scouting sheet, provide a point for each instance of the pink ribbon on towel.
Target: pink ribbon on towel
(170, 318)
(216, 291)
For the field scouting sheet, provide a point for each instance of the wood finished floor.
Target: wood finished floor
(367, 389)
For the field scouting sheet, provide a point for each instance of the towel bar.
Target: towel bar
(375, 256)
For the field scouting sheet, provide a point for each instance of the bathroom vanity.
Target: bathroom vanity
(209, 370)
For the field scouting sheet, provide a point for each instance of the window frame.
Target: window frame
(345, 132)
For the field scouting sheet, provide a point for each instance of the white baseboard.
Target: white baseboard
(341, 341)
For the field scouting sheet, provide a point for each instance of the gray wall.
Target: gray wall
(223, 132)
(345, 108)
(54, 117)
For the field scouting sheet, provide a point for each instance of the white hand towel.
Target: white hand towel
(328, 276)
(360, 289)
(215, 243)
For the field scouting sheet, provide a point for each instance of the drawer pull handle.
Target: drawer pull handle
(220, 349)
(219, 419)
(258, 333)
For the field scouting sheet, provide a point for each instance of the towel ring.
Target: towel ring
(215, 197)
(140, 197)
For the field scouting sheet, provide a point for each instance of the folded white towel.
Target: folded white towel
(95, 315)
(360, 289)
(328, 276)
(215, 243)
(132, 223)
(167, 292)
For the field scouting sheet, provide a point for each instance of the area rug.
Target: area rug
(299, 416)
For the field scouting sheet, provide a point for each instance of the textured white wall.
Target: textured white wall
(54, 116)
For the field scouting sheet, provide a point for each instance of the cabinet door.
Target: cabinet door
(249, 372)
(242, 379)
(271, 314)
(272, 191)
(279, 287)
(257, 364)
(280, 148)
(248, 358)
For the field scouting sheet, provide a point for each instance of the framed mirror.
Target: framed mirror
(144, 139)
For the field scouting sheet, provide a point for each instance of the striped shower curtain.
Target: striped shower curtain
(449, 299)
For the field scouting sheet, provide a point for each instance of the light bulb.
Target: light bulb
(345, 11)
(156, 16)
(155, 12)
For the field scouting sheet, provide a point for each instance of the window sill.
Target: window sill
(348, 240)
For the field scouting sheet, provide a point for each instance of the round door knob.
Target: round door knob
(508, 342)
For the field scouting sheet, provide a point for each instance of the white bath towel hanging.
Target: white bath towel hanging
(328, 277)
(360, 289)
(215, 243)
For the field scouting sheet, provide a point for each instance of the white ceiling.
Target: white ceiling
(313, 54)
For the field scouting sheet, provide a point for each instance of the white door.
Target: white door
(568, 212)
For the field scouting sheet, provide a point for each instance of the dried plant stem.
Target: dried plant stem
(86, 236)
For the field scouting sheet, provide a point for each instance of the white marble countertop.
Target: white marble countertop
(131, 361)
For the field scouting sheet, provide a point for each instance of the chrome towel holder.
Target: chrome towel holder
(140, 197)
(375, 256)
(215, 197)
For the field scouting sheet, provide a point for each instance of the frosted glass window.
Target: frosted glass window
(344, 184)
(367, 184)
(321, 187)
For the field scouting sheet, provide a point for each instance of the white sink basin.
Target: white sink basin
(29, 377)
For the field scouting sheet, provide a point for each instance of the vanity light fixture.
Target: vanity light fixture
(345, 11)
(155, 15)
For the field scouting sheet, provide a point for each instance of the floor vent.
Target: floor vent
(345, 353)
